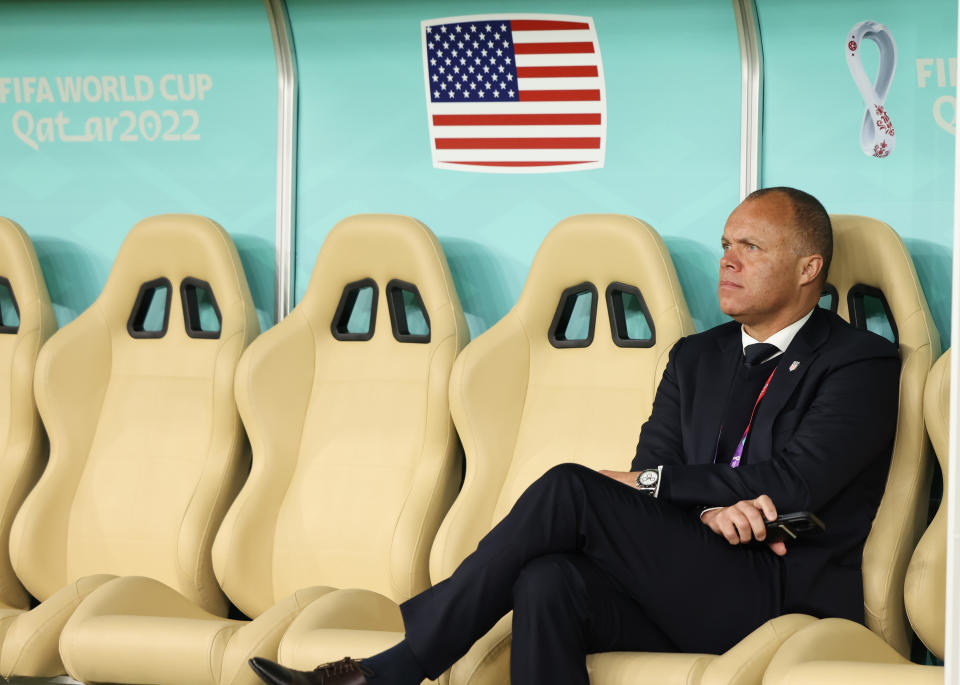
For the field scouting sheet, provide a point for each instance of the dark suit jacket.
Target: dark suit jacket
(821, 441)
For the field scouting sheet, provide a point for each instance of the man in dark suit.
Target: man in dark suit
(787, 408)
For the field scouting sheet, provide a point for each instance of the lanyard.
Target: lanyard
(738, 453)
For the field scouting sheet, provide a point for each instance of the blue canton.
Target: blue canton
(471, 62)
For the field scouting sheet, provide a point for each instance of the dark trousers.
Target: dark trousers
(588, 564)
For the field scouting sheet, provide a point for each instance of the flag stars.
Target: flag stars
(465, 59)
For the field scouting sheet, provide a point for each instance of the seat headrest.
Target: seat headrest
(184, 249)
(867, 252)
(601, 249)
(19, 265)
(381, 247)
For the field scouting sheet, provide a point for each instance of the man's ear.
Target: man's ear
(812, 266)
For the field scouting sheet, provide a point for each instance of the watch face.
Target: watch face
(648, 478)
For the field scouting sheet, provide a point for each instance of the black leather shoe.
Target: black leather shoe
(343, 672)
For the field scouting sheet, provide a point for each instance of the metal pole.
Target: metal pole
(751, 94)
(287, 111)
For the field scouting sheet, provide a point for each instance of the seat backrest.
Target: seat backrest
(874, 285)
(568, 375)
(926, 586)
(355, 458)
(146, 446)
(26, 321)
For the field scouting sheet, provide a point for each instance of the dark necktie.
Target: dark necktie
(758, 352)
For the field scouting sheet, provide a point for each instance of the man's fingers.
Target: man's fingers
(757, 525)
(779, 547)
(743, 526)
(765, 504)
(729, 531)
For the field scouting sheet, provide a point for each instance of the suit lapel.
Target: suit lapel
(791, 369)
(728, 359)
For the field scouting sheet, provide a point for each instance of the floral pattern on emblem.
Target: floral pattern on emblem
(883, 121)
(880, 151)
(852, 45)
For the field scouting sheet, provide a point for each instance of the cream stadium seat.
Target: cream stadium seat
(26, 321)
(355, 462)
(838, 652)
(147, 448)
(873, 283)
(569, 374)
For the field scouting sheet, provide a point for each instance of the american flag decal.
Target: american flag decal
(514, 93)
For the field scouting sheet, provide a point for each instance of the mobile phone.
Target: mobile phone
(794, 526)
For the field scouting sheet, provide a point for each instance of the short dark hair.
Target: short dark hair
(814, 230)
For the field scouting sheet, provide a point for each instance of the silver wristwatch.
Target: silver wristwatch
(648, 481)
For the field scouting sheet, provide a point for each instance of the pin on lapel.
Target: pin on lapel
(794, 365)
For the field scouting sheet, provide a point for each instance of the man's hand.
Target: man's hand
(625, 477)
(744, 522)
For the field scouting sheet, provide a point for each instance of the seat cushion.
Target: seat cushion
(645, 668)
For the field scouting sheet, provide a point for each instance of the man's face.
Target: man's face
(760, 271)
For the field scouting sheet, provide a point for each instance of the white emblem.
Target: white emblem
(794, 365)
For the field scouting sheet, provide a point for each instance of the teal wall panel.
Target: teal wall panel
(205, 71)
(672, 76)
(813, 113)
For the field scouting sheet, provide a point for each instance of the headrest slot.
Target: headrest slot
(201, 314)
(870, 311)
(829, 298)
(9, 310)
(408, 315)
(151, 314)
(630, 322)
(575, 319)
(356, 315)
